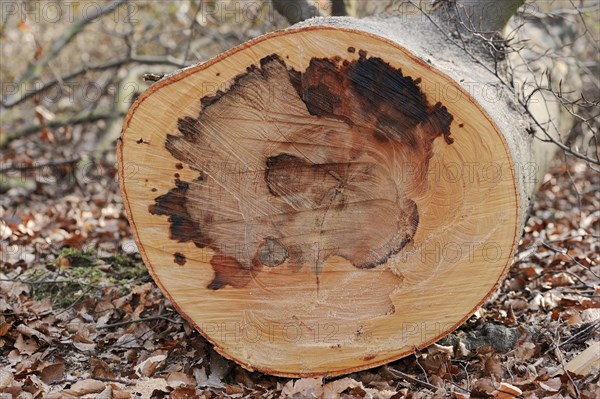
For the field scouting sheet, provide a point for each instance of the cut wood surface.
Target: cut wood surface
(586, 362)
(330, 197)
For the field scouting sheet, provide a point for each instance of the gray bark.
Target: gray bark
(296, 10)
(485, 16)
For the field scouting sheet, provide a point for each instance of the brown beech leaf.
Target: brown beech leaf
(507, 391)
(78, 389)
(84, 387)
(177, 379)
(6, 378)
(551, 385)
(483, 387)
(4, 327)
(31, 332)
(25, 346)
(83, 344)
(183, 393)
(304, 387)
(53, 373)
(100, 369)
(147, 367)
(335, 388)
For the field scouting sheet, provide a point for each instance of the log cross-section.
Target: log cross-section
(323, 199)
(316, 158)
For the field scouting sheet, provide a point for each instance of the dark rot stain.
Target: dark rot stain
(209, 100)
(369, 357)
(379, 136)
(461, 125)
(278, 177)
(142, 141)
(173, 205)
(271, 253)
(228, 271)
(154, 189)
(377, 89)
(177, 176)
(179, 258)
(370, 102)
(187, 127)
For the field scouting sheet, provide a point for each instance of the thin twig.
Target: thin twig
(412, 379)
(85, 292)
(143, 319)
(37, 165)
(103, 379)
(561, 359)
(549, 137)
(120, 381)
(147, 60)
(416, 353)
(60, 123)
(62, 42)
(552, 248)
(592, 327)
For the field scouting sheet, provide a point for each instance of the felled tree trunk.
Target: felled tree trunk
(324, 199)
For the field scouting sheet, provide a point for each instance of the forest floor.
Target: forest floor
(82, 317)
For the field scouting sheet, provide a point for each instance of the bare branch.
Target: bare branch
(407, 377)
(66, 39)
(60, 123)
(523, 102)
(168, 60)
(38, 165)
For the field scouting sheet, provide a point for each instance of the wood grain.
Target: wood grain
(320, 211)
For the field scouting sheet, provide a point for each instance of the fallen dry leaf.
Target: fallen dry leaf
(184, 393)
(551, 385)
(507, 391)
(147, 367)
(83, 343)
(303, 388)
(25, 346)
(176, 379)
(100, 369)
(4, 327)
(6, 378)
(53, 373)
(80, 388)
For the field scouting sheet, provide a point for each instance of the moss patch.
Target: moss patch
(81, 273)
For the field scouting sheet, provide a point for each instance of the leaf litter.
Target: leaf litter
(81, 317)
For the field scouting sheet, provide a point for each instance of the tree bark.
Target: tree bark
(343, 8)
(326, 198)
(484, 16)
(296, 10)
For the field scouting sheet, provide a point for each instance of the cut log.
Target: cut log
(328, 198)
